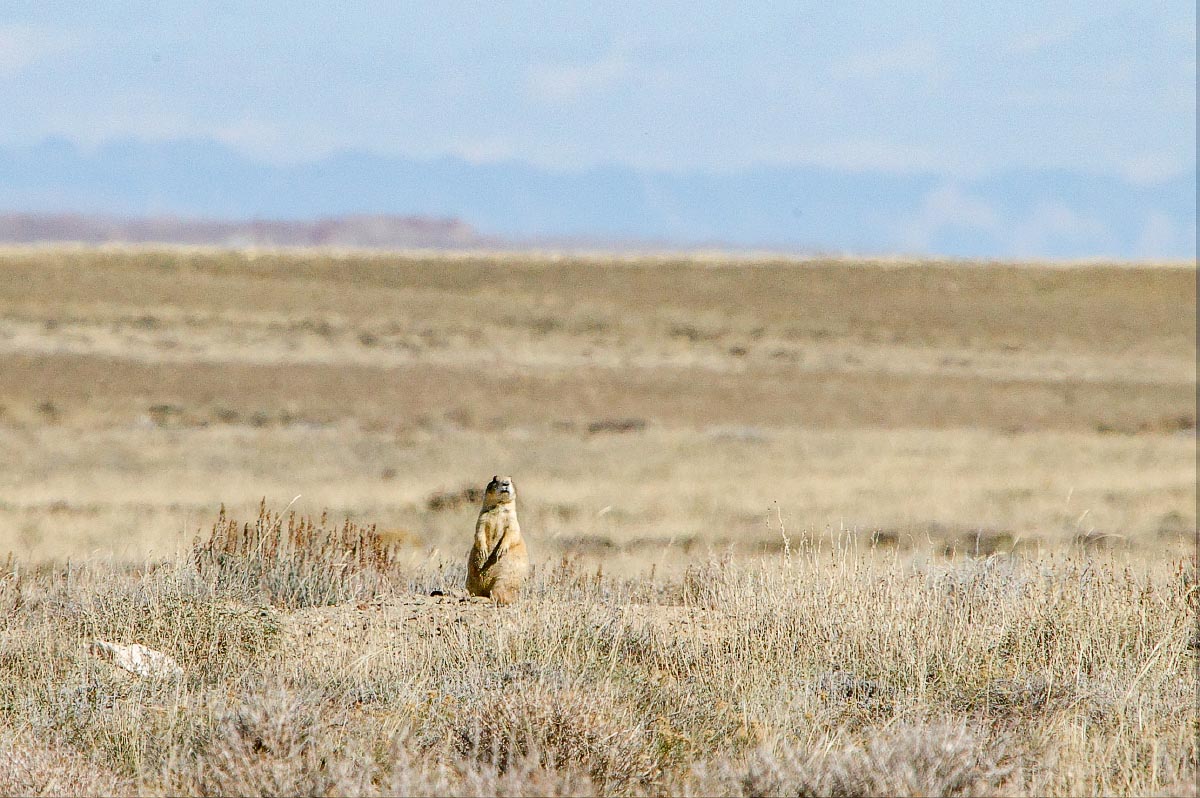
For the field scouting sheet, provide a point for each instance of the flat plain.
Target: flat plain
(791, 521)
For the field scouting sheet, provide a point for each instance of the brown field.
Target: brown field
(798, 527)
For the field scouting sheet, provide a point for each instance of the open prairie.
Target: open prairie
(796, 526)
(647, 408)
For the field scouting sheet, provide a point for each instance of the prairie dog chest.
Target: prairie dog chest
(495, 522)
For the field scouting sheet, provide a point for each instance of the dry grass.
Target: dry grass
(922, 405)
(294, 562)
(187, 338)
(828, 673)
(819, 528)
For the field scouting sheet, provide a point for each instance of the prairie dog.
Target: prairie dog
(499, 561)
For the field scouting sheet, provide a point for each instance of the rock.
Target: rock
(137, 659)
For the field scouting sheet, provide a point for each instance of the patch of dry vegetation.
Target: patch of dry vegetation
(825, 673)
(295, 562)
(226, 337)
(927, 405)
(982, 479)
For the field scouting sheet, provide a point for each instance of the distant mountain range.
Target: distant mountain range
(378, 231)
(365, 199)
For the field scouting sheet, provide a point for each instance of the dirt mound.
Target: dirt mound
(422, 617)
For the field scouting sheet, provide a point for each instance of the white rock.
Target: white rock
(137, 659)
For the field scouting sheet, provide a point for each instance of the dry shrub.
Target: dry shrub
(838, 687)
(616, 425)
(11, 583)
(453, 499)
(296, 562)
(30, 765)
(468, 778)
(707, 585)
(562, 730)
(170, 611)
(125, 724)
(945, 758)
(274, 743)
(290, 743)
(527, 778)
(1017, 698)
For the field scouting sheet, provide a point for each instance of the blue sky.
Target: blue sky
(961, 91)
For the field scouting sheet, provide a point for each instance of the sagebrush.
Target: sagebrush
(834, 672)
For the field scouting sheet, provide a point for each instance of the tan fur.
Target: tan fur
(498, 562)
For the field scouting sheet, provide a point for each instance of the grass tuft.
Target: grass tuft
(295, 561)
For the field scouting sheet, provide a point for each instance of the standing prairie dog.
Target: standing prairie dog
(498, 562)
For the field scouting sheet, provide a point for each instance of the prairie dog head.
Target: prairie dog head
(500, 490)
